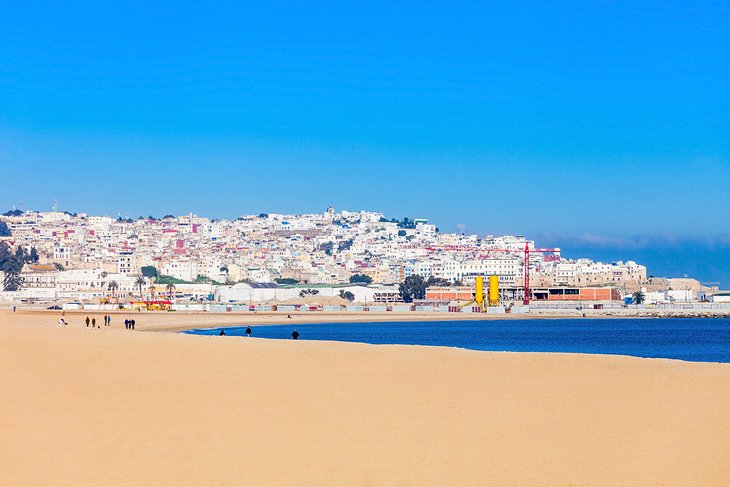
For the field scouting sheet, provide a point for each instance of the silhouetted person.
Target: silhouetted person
(13, 309)
(222, 333)
(109, 320)
(288, 316)
(126, 324)
(93, 322)
(248, 331)
(87, 321)
(295, 335)
(133, 322)
(105, 320)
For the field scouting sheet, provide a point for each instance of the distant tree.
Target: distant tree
(437, 282)
(32, 257)
(344, 245)
(12, 281)
(308, 292)
(458, 283)
(201, 279)
(263, 215)
(11, 264)
(413, 287)
(401, 233)
(286, 280)
(113, 286)
(355, 278)
(170, 290)
(407, 223)
(638, 297)
(149, 271)
(58, 266)
(139, 282)
(167, 216)
(327, 247)
(383, 219)
(13, 213)
(4, 230)
(165, 279)
(347, 295)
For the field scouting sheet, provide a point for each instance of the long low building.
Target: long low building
(564, 293)
(257, 292)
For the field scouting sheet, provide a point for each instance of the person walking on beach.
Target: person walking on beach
(248, 331)
(109, 320)
(126, 324)
(62, 322)
(87, 321)
(133, 322)
(93, 323)
(105, 320)
(13, 309)
(295, 334)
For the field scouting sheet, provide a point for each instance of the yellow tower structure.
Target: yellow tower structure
(493, 290)
(479, 291)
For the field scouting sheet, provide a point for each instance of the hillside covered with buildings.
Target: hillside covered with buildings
(358, 255)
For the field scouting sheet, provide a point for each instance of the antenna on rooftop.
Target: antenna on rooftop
(55, 204)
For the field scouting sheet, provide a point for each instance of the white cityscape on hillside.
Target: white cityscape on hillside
(255, 257)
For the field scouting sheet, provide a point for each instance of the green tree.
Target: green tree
(286, 280)
(437, 282)
(11, 264)
(639, 297)
(165, 279)
(139, 282)
(170, 290)
(347, 295)
(308, 292)
(149, 271)
(58, 266)
(413, 287)
(355, 278)
(113, 286)
(327, 247)
(4, 230)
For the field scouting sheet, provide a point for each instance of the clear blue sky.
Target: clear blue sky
(567, 121)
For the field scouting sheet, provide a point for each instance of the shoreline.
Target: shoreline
(177, 321)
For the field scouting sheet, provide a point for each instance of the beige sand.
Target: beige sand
(111, 407)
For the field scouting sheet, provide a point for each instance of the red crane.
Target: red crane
(527, 251)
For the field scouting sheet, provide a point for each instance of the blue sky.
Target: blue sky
(569, 121)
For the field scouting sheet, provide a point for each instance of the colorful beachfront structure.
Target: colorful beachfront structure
(561, 293)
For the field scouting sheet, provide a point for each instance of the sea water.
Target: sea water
(694, 339)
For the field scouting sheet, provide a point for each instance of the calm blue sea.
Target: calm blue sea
(700, 340)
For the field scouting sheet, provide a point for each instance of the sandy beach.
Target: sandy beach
(114, 407)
